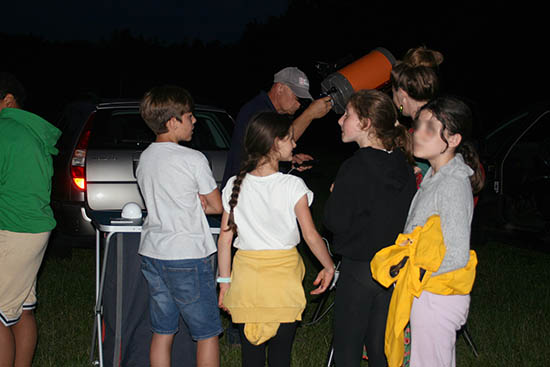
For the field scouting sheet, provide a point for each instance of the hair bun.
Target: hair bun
(422, 56)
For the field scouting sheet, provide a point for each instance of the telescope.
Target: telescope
(371, 71)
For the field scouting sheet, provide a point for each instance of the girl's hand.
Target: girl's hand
(324, 278)
(331, 187)
(224, 287)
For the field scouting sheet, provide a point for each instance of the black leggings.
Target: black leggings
(360, 313)
(279, 348)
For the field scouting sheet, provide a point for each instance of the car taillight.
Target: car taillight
(78, 170)
(78, 160)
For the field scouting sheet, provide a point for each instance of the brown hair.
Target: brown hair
(422, 56)
(417, 73)
(160, 104)
(259, 138)
(420, 82)
(456, 118)
(379, 108)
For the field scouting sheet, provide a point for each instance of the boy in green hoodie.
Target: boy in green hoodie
(27, 143)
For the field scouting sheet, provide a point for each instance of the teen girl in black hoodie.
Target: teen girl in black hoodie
(366, 211)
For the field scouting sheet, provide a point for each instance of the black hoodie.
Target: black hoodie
(369, 203)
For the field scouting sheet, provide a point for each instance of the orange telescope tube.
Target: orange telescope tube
(371, 71)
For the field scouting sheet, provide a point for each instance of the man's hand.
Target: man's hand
(299, 159)
(319, 107)
(315, 110)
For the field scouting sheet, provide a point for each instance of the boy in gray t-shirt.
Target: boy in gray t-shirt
(178, 251)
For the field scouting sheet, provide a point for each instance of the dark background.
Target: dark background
(495, 56)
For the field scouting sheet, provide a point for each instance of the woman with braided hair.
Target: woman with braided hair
(262, 289)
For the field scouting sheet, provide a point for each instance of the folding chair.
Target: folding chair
(321, 311)
(464, 332)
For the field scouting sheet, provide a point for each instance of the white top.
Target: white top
(170, 178)
(264, 213)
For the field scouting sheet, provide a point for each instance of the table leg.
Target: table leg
(118, 317)
(99, 295)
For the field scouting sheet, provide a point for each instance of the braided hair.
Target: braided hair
(259, 139)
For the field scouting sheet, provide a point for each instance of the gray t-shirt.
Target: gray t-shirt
(447, 193)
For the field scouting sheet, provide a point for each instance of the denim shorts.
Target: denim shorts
(186, 288)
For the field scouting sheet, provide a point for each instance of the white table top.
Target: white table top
(110, 221)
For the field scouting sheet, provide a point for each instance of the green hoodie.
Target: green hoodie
(27, 143)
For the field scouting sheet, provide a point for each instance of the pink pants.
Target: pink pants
(435, 319)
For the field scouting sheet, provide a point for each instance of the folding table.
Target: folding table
(110, 224)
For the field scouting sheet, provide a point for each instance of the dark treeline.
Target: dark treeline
(492, 58)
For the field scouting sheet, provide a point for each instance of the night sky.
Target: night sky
(226, 51)
(170, 20)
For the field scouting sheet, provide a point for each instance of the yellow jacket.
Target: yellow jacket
(266, 289)
(425, 249)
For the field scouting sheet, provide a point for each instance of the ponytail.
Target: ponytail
(401, 139)
(456, 118)
(477, 180)
(380, 110)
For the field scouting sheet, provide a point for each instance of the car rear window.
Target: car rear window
(125, 129)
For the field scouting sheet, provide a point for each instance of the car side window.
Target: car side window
(536, 142)
(540, 130)
(124, 129)
(528, 158)
(533, 145)
(209, 133)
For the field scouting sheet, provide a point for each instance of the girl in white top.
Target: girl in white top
(261, 206)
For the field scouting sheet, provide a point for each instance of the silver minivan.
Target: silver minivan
(99, 153)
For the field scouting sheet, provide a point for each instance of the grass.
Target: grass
(509, 310)
(508, 318)
(66, 295)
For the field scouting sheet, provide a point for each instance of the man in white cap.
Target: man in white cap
(289, 84)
